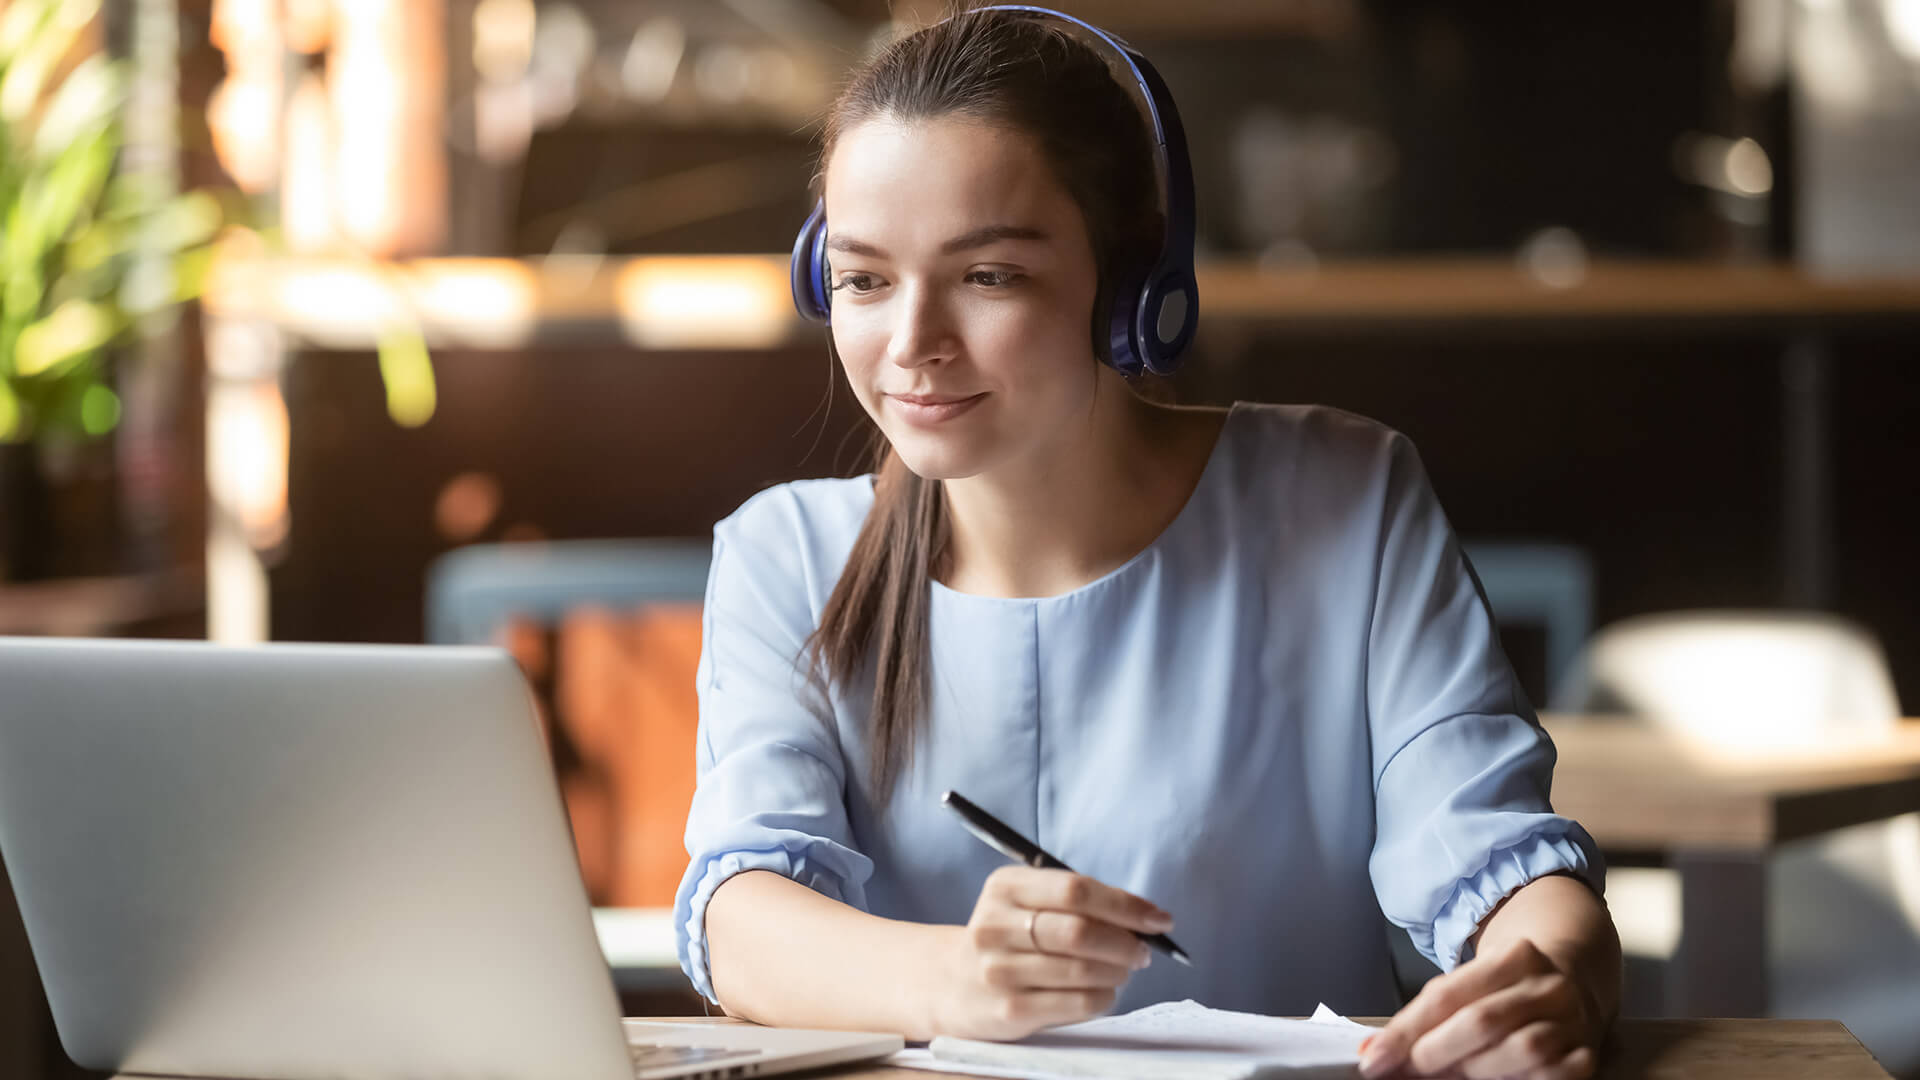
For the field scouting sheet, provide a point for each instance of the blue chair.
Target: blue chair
(1544, 584)
(472, 591)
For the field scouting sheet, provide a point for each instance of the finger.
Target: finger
(1485, 1024)
(1442, 997)
(1035, 1009)
(1578, 1065)
(1057, 933)
(1063, 890)
(1538, 1045)
(1034, 971)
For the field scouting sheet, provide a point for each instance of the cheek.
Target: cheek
(860, 350)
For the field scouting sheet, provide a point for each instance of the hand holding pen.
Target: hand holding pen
(1044, 945)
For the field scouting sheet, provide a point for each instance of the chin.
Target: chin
(937, 458)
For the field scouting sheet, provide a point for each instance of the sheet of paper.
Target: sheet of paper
(1182, 1039)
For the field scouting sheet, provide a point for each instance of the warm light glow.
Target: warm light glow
(1746, 168)
(1750, 686)
(1903, 29)
(484, 302)
(247, 457)
(314, 296)
(466, 506)
(1555, 257)
(385, 83)
(502, 39)
(306, 190)
(717, 301)
(1645, 904)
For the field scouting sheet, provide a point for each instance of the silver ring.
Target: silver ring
(1032, 917)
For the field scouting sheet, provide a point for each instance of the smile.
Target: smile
(925, 409)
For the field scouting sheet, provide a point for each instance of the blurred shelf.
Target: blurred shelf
(84, 607)
(741, 302)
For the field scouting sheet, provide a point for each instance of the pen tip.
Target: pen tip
(1181, 956)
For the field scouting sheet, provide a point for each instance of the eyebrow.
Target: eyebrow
(966, 241)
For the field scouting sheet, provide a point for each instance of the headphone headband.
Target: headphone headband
(1156, 307)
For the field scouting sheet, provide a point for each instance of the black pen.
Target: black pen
(1020, 849)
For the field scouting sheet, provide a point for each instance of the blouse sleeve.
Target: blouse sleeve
(770, 782)
(1461, 767)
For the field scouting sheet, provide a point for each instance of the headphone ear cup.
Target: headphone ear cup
(808, 270)
(1168, 314)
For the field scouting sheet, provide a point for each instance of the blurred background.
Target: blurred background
(464, 320)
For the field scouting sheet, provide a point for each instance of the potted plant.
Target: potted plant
(87, 251)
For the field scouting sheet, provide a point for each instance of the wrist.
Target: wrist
(935, 970)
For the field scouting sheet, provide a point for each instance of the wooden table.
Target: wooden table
(1639, 1049)
(1715, 816)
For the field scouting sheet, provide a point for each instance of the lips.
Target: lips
(929, 410)
(933, 399)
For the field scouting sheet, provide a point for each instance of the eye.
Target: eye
(857, 284)
(996, 279)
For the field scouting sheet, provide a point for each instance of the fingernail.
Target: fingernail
(1142, 958)
(1364, 1043)
(1160, 921)
(1373, 1058)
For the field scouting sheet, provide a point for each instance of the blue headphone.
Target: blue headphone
(1155, 309)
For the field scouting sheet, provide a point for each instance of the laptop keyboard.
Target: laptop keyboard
(656, 1055)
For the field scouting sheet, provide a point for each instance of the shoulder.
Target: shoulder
(798, 533)
(1315, 449)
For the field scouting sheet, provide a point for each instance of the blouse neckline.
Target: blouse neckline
(1208, 474)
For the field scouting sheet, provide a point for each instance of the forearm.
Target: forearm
(1562, 918)
(782, 954)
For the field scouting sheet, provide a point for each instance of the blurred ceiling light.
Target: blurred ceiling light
(724, 73)
(1903, 26)
(1829, 60)
(563, 46)
(1746, 168)
(563, 41)
(243, 112)
(775, 77)
(247, 456)
(653, 59)
(714, 301)
(386, 79)
(490, 301)
(1761, 29)
(1733, 166)
(309, 25)
(503, 120)
(466, 506)
(311, 296)
(503, 38)
(1555, 257)
(306, 189)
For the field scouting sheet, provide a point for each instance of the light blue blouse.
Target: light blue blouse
(1286, 716)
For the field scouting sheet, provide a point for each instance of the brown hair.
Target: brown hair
(1026, 74)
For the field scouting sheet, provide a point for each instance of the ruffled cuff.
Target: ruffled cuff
(805, 861)
(1567, 848)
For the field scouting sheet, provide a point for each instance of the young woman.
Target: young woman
(1229, 664)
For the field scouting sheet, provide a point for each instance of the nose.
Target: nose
(923, 332)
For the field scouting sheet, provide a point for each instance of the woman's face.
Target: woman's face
(963, 289)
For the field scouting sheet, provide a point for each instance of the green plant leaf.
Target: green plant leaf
(88, 99)
(407, 371)
(40, 55)
(99, 410)
(20, 20)
(75, 330)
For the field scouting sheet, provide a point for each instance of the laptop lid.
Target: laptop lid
(297, 861)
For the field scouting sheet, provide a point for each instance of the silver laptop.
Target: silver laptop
(307, 861)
